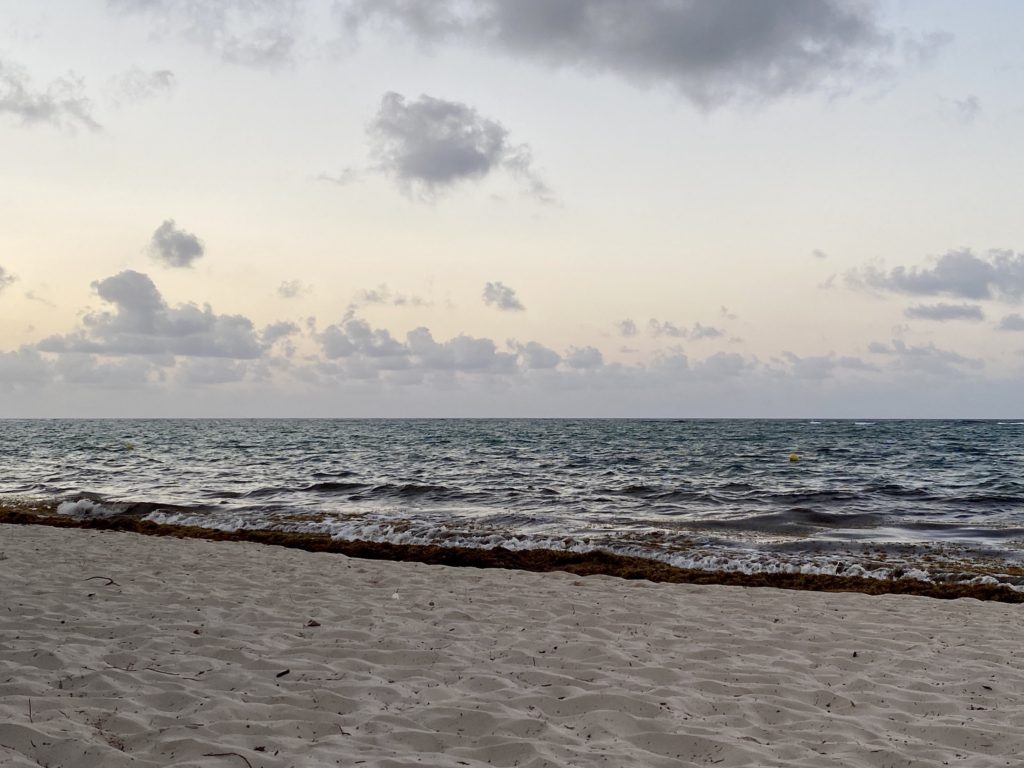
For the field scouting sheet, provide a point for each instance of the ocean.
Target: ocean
(918, 499)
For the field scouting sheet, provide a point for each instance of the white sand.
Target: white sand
(179, 660)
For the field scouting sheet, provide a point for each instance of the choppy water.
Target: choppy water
(864, 498)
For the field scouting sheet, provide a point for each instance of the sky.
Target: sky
(550, 208)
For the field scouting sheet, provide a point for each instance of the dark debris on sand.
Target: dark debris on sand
(537, 560)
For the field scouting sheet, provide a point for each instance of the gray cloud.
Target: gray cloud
(1012, 322)
(927, 359)
(293, 289)
(960, 274)
(62, 103)
(626, 328)
(257, 33)
(942, 312)
(368, 351)
(137, 85)
(24, 367)
(143, 324)
(698, 332)
(969, 108)
(701, 331)
(275, 332)
(711, 51)
(6, 279)
(174, 247)
(660, 328)
(382, 294)
(584, 358)
(502, 297)
(430, 145)
(819, 254)
(819, 367)
(535, 356)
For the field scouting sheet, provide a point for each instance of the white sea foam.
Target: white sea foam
(84, 508)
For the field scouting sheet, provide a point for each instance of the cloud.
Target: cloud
(536, 356)
(23, 367)
(711, 51)
(698, 332)
(927, 359)
(293, 289)
(142, 323)
(137, 85)
(6, 279)
(943, 312)
(369, 351)
(819, 367)
(584, 358)
(701, 331)
(960, 274)
(819, 254)
(968, 108)
(1012, 322)
(174, 247)
(431, 145)
(62, 103)
(383, 295)
(275, 332)
(659, 328)
(626, 328)
(256, 33)
(502, 297)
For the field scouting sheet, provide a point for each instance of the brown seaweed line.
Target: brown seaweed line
(535, 560)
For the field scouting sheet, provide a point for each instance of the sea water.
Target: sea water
(882, 498)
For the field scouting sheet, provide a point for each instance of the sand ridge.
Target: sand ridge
(233, 654)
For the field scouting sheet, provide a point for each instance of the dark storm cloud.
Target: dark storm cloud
(175, 247)
(960, 274)
(502, 297)
(61, 103)
(943, 312)
(1012, 322)
(142, 323)
(258, 33)
(430, 145)
(712, 51)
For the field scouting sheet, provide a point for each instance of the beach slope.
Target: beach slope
(125, 650)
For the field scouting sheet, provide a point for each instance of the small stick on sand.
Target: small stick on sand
(110, 581)
(229, 754)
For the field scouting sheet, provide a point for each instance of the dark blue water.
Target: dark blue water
(864, 497)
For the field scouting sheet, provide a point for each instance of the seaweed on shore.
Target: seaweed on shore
(536, 560)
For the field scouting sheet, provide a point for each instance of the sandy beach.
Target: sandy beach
(123, 650)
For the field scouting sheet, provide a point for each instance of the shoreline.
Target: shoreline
(534, 560)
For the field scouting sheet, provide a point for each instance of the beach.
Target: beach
(124, 650)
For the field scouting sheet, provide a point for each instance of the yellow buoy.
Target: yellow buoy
(794, 457)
